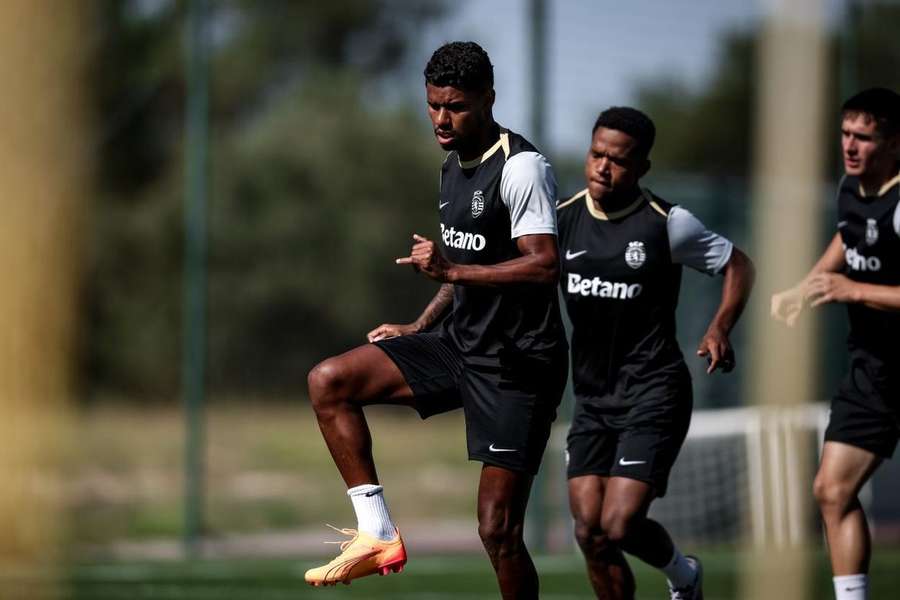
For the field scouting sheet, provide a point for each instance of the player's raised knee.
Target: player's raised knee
(325, 381)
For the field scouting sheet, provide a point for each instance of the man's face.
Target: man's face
(613, 164)
(865, 150)
(458, 117)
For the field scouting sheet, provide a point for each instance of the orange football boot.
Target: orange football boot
(361, 555)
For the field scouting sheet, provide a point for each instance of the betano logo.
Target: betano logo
(594, 286)
(462, 240)
(858, 262)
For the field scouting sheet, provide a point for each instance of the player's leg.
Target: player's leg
(624, 519)
(339, 388)
(842, 472)
(647, 449)
(502, 498)
(509, 412)
(591, 448)
(417, 371)
(608, 571)
(862, 430)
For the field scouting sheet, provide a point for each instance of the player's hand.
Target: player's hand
(830, 287)
(427, 258)
(389, 330)
(717, 350)
(787, 305)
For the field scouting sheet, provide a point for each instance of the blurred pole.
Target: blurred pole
(538, 520)
(849, 57)
(787, 194)
(194, 349)
(44, 201)
(849, 51)
(538, 25)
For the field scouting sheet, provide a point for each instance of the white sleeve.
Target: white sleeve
(897, 219)
(528, 189)
(695, 246)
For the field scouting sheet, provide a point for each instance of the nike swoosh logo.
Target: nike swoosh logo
(570, 255)
(492, 449)
(842, 224)
(853, 589)
(628, 463)
(442, 205)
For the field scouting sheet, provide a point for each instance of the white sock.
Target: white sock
(372, 515)
(851, 587)
(679, 571)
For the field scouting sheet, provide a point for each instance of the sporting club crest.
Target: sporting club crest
(871, 232)
(477, 204)
(635, 255)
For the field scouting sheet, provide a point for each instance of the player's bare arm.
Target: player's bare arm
(826, 288)
(787, 305)
(739, 274)
(442, 299)
(539, 264)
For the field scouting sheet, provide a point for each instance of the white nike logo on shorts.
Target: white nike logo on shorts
(570, 255)
(492, 449)
(442, 205)
(628, 463)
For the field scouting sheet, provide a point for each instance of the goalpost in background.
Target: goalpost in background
(734, 477)
(42, 173)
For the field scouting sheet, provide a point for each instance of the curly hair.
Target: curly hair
(630, 121)
(463, 65)
(881, 104)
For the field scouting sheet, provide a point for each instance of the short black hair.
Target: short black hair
(630, 121)
(463, 65)
(881, 104)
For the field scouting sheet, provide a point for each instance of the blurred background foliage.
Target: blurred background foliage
(316, 185)
(321, 170)
(711, 130)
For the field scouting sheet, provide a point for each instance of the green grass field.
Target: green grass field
(267, 468)
(268, 471)
(426, 578)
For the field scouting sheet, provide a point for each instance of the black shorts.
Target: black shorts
(865, 411)
(639, 442)
(509, 405)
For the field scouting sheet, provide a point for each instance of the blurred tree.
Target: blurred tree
(316, 186)
(710, 130)
(312, 204)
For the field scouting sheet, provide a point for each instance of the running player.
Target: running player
(501, 354)
(860, 268)
(624, 251)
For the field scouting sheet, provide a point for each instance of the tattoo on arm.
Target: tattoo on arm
(436, 308)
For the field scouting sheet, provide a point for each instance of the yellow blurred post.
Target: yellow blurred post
(41, 202)
(787, 192)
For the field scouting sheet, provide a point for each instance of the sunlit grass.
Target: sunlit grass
(267, 467)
